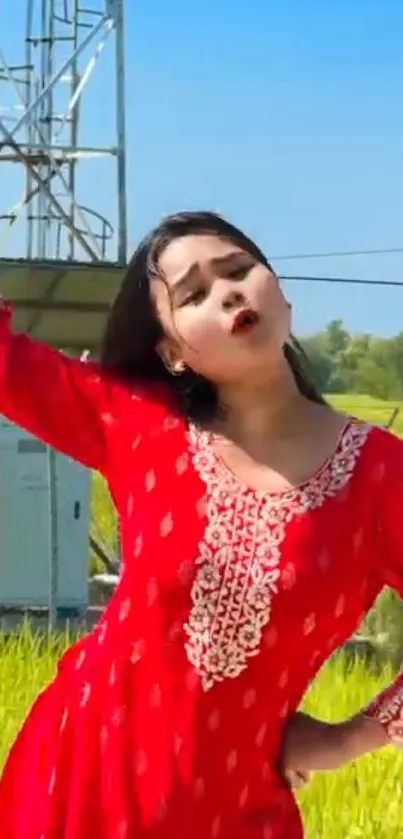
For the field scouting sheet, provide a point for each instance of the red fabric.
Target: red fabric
(166, 721)
(387, 708)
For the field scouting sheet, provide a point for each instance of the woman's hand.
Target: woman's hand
(311, 745)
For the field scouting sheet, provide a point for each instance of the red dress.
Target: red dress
(166, 721)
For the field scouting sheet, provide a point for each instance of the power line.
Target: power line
(331, 254)
(343, 280)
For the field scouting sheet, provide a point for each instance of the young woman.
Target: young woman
(258, 527)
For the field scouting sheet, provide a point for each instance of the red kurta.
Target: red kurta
(166, 721)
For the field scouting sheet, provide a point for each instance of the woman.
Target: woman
(258, 527)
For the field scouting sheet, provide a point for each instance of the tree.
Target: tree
(315, 348)
(337, 337)
(356, 363)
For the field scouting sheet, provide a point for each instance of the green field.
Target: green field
(362, 801)
(377, 411)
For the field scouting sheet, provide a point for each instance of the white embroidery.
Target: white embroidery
(244, 796)
(182, 463)
(102, 628)
(340, 606)
(309, 624)
(166, 525)
(138, 650)
(118, 717)
(170, 422)
(80, 659)
(124, 609)
(64, 719)
(130, 506)
(232, 761)
(52, 782)
(240, 554)
(152, 591)
(387, 708)
(249, 698)
(261, 735)
(85, 694)
(150, 480)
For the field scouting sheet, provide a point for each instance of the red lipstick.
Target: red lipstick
(244, 321)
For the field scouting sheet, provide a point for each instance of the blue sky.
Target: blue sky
(286, 117)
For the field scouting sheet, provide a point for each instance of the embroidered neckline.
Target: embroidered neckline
(239, 558)
(201, 444)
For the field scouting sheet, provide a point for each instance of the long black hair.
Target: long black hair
(133, 330)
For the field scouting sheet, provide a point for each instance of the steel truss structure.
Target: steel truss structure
(41, 131)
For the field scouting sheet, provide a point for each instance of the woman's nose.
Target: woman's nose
(233, 299)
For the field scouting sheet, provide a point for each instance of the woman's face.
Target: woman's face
(222, 312)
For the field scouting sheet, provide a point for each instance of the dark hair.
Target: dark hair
(133, 329)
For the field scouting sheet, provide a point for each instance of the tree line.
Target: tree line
(362, 363)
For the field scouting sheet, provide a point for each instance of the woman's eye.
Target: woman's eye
(239, 272)
(195, 296)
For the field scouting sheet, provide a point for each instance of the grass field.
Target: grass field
(377, 411)
(362, 801)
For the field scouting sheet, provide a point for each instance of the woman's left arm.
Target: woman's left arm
(310, 744)
(386, 709)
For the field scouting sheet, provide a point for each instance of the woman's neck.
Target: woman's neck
(260, 409)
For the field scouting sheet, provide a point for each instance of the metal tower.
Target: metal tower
(63, 227)
(49, 136)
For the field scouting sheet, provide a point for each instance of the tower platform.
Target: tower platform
(63, 304)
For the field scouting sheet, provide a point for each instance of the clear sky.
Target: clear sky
(287, 117)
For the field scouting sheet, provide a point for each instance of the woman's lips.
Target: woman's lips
(244, 321)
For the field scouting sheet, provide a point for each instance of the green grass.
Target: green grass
(27, 663)
(362, 800)
(377, 411)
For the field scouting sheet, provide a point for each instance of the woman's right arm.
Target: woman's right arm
(67, 403)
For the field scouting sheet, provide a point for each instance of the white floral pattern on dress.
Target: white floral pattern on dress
(387, 708)
(238, 563)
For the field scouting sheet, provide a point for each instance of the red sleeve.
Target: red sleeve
(387, 475)
(65, 402)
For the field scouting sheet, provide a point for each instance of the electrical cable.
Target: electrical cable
(336, 254)
(342, 280)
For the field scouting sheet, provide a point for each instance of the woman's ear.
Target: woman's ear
(170, 357)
